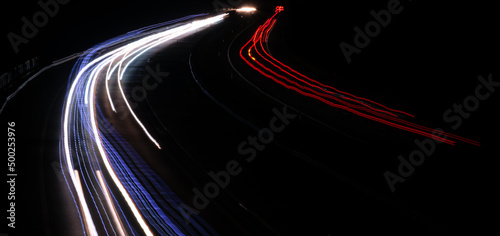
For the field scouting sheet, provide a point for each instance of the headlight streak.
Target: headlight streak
(83, 150)
(111, 206)
(109, 168)
(107, 86)
(146, 188)
(291, 79)
(88, 219)
(82, 136)
(141, 46)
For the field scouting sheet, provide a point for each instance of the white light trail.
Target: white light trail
(111, 206)
(85, 83)
(108, 166)
(89, 224)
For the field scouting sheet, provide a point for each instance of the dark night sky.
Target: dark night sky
(80, 24)
(422, 27)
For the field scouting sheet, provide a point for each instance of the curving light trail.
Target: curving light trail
(117, 193)
(257, 56)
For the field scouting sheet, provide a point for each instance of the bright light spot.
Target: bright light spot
(246, 9)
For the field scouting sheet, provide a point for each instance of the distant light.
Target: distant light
(279, 9)
(246, 9)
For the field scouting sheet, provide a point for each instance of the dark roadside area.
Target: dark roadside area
(43, 204)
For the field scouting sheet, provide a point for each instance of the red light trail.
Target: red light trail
(256, 56)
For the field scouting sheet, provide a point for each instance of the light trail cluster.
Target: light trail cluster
(115, 191)
(256, 54)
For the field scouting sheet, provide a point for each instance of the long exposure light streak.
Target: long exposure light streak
(257, 56)
(111, 206)
(80, 121)
(89, 223)
(110, 170)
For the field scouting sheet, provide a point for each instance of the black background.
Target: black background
(424, 61)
